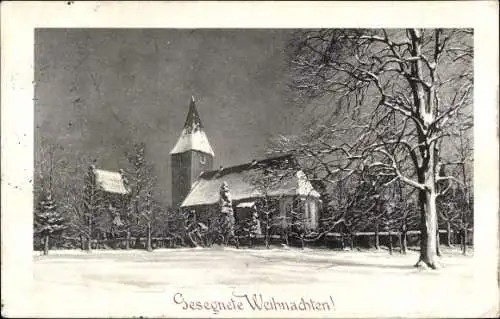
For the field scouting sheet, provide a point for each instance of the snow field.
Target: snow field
(362, 284)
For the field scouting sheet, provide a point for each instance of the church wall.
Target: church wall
(200, 162)
(311, 208)
(280, 205)
(186, 168)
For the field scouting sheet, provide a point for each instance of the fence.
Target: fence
(332, 240)
(367, 239)
(115, 243)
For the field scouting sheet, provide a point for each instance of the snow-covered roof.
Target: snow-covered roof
(111, 182)
(192, 137)
(240, 179)
(192, 141)
(246, 205)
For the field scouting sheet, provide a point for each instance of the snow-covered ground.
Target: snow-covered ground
(138, 283)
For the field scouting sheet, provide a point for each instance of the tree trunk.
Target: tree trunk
(438, 251)
(148, 240)
(438, 240)
(404, 244)
(464, 247)
(351, 241)
(267, 230)
(302, 241)
(89, 235)
(448, 234)
(89, 243)
(268, 219)
(377, 238)
(428, 238)
(390, 243)
(267, 240)
(426, 172)
(400, 240)
(46, 245)
(82, 242)
(127, 243)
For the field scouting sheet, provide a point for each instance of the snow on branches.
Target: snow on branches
(391, 98)
(49, 220)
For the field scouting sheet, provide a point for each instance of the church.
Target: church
(195, 183)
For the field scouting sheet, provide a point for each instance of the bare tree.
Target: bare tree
(92, 206)
(72, 196)
(360, 203)
(408, 220)
(455, 200)
(144, 207)
(464, 150)
(394, 94)
(60, 173)
(78, 218)
(399, 213)
(264, 180)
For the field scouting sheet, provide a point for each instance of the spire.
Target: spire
(193, 121)
(192, 137)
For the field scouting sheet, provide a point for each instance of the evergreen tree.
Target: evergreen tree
(251, 226)
(48, 220)
(226, 221)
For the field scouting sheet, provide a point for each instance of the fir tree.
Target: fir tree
(251, 226)
(226, 217)
(48, 220)
(299, 227)
(91, 206)
(254, 225)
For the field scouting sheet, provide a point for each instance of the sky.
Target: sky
(99, 91)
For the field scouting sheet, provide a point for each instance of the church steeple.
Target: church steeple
(193, 118)
(193, 137)
(191, 155)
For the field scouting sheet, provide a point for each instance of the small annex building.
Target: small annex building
(109, 194)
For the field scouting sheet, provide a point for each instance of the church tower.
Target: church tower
(191, 155)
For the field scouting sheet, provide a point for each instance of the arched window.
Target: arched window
(203, 159)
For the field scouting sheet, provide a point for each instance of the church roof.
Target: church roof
(111, 182)
(192, 137)
(243, 180)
